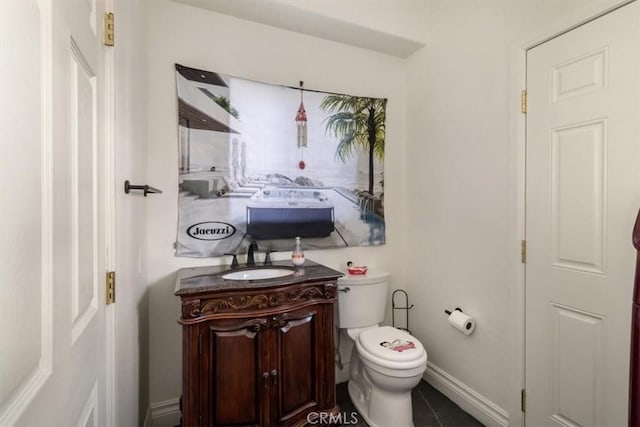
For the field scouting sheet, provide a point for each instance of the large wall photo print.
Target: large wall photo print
(268, 163)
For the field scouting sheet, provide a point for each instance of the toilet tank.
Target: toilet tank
(364, 302)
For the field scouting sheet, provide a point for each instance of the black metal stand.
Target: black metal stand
(406, 309)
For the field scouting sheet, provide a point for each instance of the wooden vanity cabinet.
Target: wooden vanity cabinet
(258, 357)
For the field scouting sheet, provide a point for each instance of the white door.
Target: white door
(52, 214)
(582, 196)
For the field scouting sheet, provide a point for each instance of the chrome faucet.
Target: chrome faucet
(252, 248)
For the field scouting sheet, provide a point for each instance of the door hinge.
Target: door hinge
(524, 101)
(110, 286)
(523, 251)
(109, 31)
(523, 400)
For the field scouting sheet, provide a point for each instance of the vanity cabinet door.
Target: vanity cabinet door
(301, 347)
(232, 386)
(259, 358)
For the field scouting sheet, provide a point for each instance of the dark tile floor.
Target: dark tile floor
(430, 408)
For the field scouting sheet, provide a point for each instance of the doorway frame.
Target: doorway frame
(517, 194)
(110, 129)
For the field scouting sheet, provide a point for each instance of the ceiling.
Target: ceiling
(303, 20)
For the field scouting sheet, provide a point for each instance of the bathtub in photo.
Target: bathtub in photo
(287, 212)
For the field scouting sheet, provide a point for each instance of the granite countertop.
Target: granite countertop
(206, 279)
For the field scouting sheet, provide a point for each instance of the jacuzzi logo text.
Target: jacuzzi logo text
(211, 230)
(341, 418)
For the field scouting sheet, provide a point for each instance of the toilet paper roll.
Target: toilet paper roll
(462, 322)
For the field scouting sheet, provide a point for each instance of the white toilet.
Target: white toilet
(386, 363)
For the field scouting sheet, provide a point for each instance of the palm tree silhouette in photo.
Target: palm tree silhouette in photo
(360, 125)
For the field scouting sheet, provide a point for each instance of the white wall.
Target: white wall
(206, 40)
(462, 186)
(132, 397)
(451, 166)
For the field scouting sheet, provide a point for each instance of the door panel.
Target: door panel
(582, 193)
(298, 352)
(580, 76)
(577, 366)
(25, 211)
(578, 155)
(53, 364)
(84, 180)
(233, 355)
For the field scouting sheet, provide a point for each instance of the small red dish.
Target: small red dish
(357, 270)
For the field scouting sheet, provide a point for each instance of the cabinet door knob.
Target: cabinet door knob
(274, 376)
(265, 375)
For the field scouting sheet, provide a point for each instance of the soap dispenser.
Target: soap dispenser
(297, 255)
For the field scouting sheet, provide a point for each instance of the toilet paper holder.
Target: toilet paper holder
(461, 321)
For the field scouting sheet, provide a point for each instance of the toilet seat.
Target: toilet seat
(400, 350)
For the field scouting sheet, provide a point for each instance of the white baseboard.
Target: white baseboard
(163, 414)
(147, 419)
(468, 399)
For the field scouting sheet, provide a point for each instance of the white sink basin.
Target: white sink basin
(258, 274)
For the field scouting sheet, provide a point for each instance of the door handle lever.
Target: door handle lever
(274, 376)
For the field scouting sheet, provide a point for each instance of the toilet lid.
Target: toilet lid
(391, 344)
